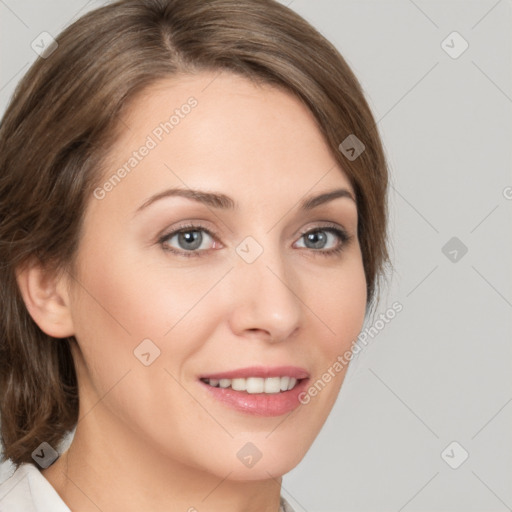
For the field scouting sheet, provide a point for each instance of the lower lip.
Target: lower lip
(260, 404)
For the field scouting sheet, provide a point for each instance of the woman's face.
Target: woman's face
(243, 286)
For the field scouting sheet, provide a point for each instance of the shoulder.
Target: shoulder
(28, 490)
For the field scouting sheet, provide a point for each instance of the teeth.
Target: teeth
(272, 385)
(256, 384)
(238, 384)
(292, 383)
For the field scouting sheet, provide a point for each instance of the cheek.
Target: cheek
(338, 307)
(127, 300)
(135, 299)
(338, 298)
(347, 303)
(123, 304)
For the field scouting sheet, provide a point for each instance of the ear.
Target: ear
(46, 297)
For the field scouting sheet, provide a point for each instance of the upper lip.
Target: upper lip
(260, 371)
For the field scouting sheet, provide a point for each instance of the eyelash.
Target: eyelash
(340, 233)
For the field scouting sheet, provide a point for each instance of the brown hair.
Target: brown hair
(63, 118)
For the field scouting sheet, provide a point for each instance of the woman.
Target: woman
(193, 226)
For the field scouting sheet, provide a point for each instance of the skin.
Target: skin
(169, 445)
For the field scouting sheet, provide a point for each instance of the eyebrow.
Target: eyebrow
(224, 202)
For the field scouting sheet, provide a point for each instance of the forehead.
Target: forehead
(222, 131)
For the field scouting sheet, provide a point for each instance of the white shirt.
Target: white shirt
(27, 490)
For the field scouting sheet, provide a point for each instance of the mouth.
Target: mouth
(253, 385)
(259, 391)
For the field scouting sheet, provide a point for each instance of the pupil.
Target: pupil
(191, 239)
(317, 238)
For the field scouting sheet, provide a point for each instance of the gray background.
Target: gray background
(440, 371)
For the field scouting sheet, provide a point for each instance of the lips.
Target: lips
(250, 399)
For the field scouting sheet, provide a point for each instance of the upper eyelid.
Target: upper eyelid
(197, 225)
(187, 227)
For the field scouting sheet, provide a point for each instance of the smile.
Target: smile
(253, 385)
(257, 390)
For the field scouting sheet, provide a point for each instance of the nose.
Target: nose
(265, 297)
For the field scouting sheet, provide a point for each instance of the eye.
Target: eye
(195, 240)
(188, 240)
(325, 240)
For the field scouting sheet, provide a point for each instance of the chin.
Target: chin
(260, 459)
(263, 470)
